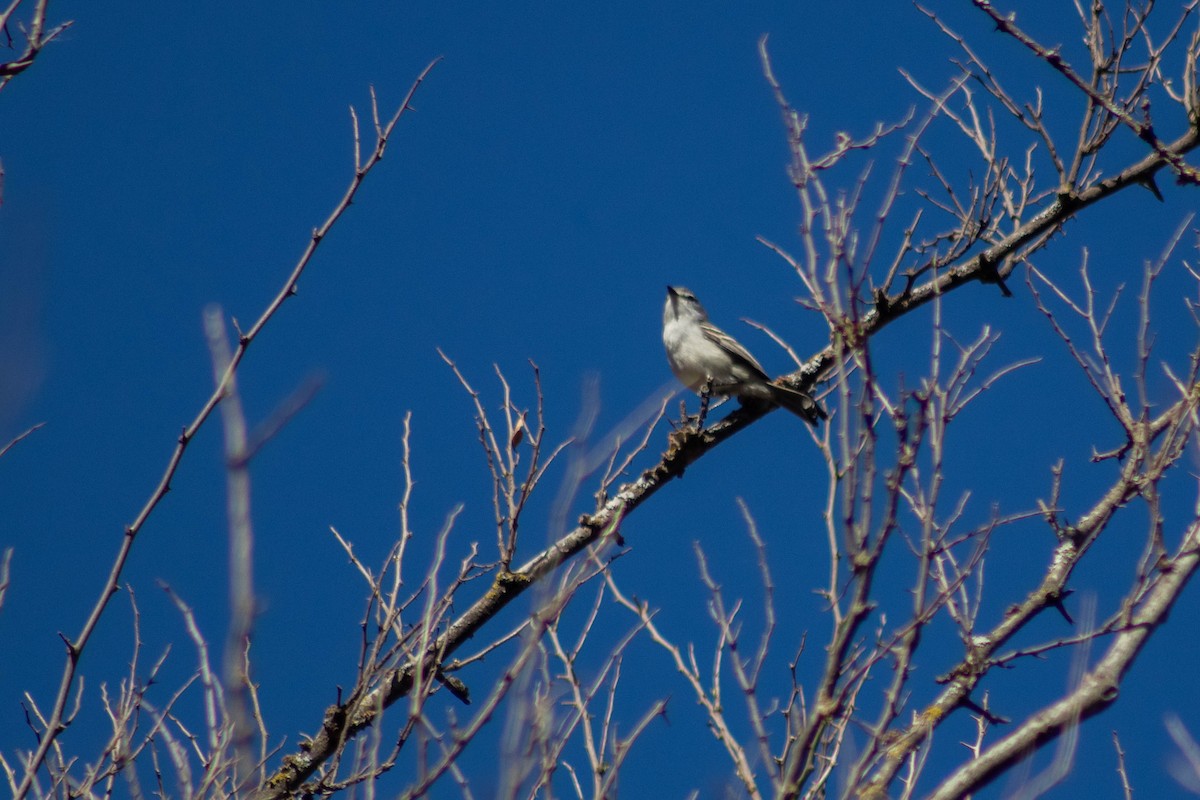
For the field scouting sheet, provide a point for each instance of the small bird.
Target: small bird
(702, 355)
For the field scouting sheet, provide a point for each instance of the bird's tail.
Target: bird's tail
(799, 403)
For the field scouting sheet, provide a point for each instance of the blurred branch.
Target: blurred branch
(878, 496)
(5, 573)
(946, 263)
(1154, 447)
(1099, 687)
(242, 604)
(57, 721)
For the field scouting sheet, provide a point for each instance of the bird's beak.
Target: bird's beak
(671, 291)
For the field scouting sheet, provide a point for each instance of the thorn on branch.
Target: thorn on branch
(1146, 133)
(1148, 183)
(993, 719)
(882, 302)
(989, 272)
(1056, 601)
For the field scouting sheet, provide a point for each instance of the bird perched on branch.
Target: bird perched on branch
(707, 359)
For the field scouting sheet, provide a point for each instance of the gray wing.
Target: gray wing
(733, 347)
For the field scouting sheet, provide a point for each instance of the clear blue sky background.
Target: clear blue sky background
(563, 164)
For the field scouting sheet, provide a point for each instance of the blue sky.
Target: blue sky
(563, 164)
